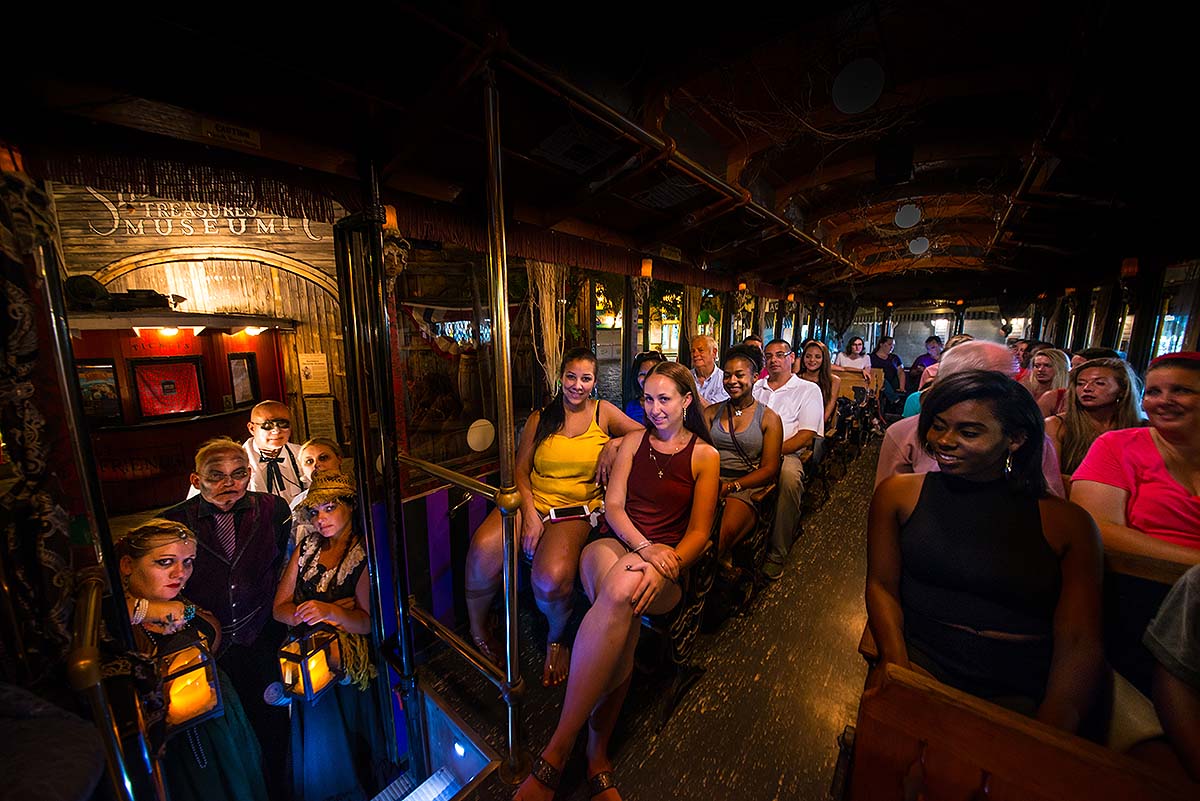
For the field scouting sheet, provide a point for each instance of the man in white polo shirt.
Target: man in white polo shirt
(798, 404)
(710, 379)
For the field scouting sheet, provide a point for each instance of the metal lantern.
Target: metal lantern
(310, 661)
(191, 691)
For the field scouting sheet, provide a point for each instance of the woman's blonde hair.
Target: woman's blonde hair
(325, 442)
(154, 533)
(1062, 369)
(1078, 431)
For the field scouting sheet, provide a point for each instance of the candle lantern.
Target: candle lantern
(310, 661)
(191, 691)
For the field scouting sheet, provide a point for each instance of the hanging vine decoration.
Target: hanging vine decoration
(547, 301)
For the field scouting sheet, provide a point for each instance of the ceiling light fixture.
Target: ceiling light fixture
(858, 86)
(908, 215)
(918, 245)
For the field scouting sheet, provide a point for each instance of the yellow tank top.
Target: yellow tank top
(564, 468)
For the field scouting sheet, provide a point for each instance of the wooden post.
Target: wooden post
(591, 312)
(1083, 307)
(1147, 310)
(724, 335)
(629, 347)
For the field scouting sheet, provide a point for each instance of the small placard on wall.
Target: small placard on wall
(322, 417)
(314, 374)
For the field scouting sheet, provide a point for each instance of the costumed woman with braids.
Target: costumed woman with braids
(559, 474)
(220, 757)
(338, 748)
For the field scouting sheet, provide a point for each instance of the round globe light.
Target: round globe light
(908, 215)
(918, 245)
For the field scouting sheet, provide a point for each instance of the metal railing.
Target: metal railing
(84, 675)
(507, 679)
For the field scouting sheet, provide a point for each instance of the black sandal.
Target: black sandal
(602, 782)
(546, 773)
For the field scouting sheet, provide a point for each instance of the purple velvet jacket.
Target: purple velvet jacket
(239, 591)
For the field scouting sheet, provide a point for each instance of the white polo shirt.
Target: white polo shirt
(798, 404)
(712, 389)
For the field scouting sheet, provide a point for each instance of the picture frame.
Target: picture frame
(100, 391)
(243, 378)
(168, 387)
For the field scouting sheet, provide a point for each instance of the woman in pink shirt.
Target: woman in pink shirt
(1142, 485)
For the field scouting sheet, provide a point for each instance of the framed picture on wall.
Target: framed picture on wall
(167, 387)
(243, 374)
(101, 395)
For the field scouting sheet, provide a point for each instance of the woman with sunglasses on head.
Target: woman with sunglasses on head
(1102, 395)
(338, 746)
(559, 473)
(218, 758)
(641, 366)
(659, 512)
(975, 574)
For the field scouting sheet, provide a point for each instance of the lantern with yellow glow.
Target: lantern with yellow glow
(647, 268)
(310, 661)
(191, 691)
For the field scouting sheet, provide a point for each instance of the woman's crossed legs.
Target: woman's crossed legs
(602, 661)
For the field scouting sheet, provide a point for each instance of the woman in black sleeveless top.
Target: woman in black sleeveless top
(974, 573)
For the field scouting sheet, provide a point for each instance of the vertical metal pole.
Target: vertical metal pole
(517, 764)
(360, 287)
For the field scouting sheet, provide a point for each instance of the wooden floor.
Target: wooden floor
(780, 684)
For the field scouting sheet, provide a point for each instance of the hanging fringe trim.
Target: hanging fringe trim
(356, 659)
(191, 183)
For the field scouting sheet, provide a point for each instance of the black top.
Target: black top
(889, 366)
(973, 554)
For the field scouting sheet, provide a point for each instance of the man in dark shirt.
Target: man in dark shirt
(241, 537)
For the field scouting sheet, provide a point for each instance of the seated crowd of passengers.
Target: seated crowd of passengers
(980, 571)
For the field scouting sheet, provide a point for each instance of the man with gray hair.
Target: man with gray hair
(710, 379)
(902, 451)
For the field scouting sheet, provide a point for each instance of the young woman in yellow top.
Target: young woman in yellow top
(556, 468)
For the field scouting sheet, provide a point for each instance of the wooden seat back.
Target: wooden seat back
(855, 379)
(1161, 571)
(917, 738)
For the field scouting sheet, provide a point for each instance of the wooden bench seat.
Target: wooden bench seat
(917, 738)
(855, 379)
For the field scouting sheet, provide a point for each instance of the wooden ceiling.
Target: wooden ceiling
(1039, 156)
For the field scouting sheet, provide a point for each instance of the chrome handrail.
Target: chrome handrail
(506, 678)
(83, 673)
(460, 480)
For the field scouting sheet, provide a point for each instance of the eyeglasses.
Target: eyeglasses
(237, 475)
(778, 354)
(281, 423)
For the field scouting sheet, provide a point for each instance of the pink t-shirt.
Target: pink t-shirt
(1158, 504)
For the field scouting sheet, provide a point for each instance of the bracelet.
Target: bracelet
(737, 486)
(189, 611)
(140, 607)
(645, 544)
